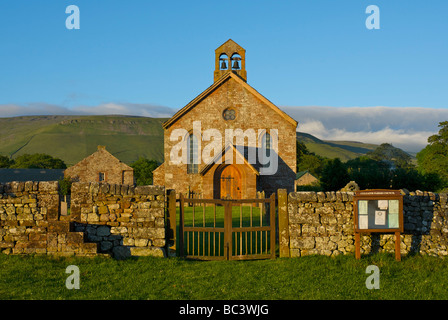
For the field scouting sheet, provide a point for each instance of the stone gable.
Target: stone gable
(101, 165)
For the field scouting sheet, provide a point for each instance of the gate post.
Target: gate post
(181, 226)
(171, 222)
(272, 223)
(283, 223)
(228, 252)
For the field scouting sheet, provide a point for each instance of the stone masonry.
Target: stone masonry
(252, 111)
(322, 223)
(101, 166)
(29, 222)
(117, 220)
(124, 220)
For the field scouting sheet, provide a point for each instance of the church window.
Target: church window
(192, 161)
(266, 145)
(229, 114)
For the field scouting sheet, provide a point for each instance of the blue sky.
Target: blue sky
(153, 57)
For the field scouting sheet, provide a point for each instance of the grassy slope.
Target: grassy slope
(310, 277)
(72, 138)
(345, 150)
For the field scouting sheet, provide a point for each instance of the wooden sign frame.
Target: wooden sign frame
(379, 207)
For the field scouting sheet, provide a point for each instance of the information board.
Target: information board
(378, 211)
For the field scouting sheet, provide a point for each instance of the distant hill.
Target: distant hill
(344, 150)
(72, 138)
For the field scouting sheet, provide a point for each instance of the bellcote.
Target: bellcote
(230, 57)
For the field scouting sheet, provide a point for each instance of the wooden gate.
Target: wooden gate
(218, 229)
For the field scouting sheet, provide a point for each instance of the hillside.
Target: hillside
(72, 138)
(344, 150)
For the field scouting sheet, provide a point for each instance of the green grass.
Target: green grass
(72, 138)
(239, 213)
(345, 150)
(311, 277)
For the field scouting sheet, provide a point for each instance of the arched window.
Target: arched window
(235, 60)
(266, 145)
(192, 161)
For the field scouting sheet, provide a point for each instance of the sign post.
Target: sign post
(379, 211)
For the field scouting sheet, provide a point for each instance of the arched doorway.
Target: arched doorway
(228, 182)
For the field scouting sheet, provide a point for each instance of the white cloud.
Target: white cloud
(32, 109)
(408, 141)
(404, 127)
(135, 109)
(132, 109)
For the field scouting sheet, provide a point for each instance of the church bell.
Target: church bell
(223, 65)
(236, 65)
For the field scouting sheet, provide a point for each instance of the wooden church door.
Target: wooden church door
(230, 181)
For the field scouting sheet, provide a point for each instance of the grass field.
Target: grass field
(72, 138)
(205, 216)
(311, 277)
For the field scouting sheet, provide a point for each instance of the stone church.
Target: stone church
(229, 171)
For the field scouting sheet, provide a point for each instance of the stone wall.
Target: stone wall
(29, 221)
(322, 223)
(117, 220)
(124, 220)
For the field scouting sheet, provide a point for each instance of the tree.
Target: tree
(312, 163)
(65, 186)
(369, 173)
(391, 155)
(5, 162)
(143, 169)
(434, 157)
(334, 175)
(307, 160)
(412, 179)
(38, 161)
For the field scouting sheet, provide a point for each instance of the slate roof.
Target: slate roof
(302, 173)
(8, 175)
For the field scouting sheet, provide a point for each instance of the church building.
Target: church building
(257, 149)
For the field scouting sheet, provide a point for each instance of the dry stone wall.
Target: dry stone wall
(322, 223)
(29, 223)
(117, 220)
(124, 220)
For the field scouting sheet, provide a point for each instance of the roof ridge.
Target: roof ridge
(216, 84)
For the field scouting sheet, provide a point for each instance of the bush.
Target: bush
(65, 186)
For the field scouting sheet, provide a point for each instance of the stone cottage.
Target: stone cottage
(241, 125)
(101, 166)
(305, 178)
